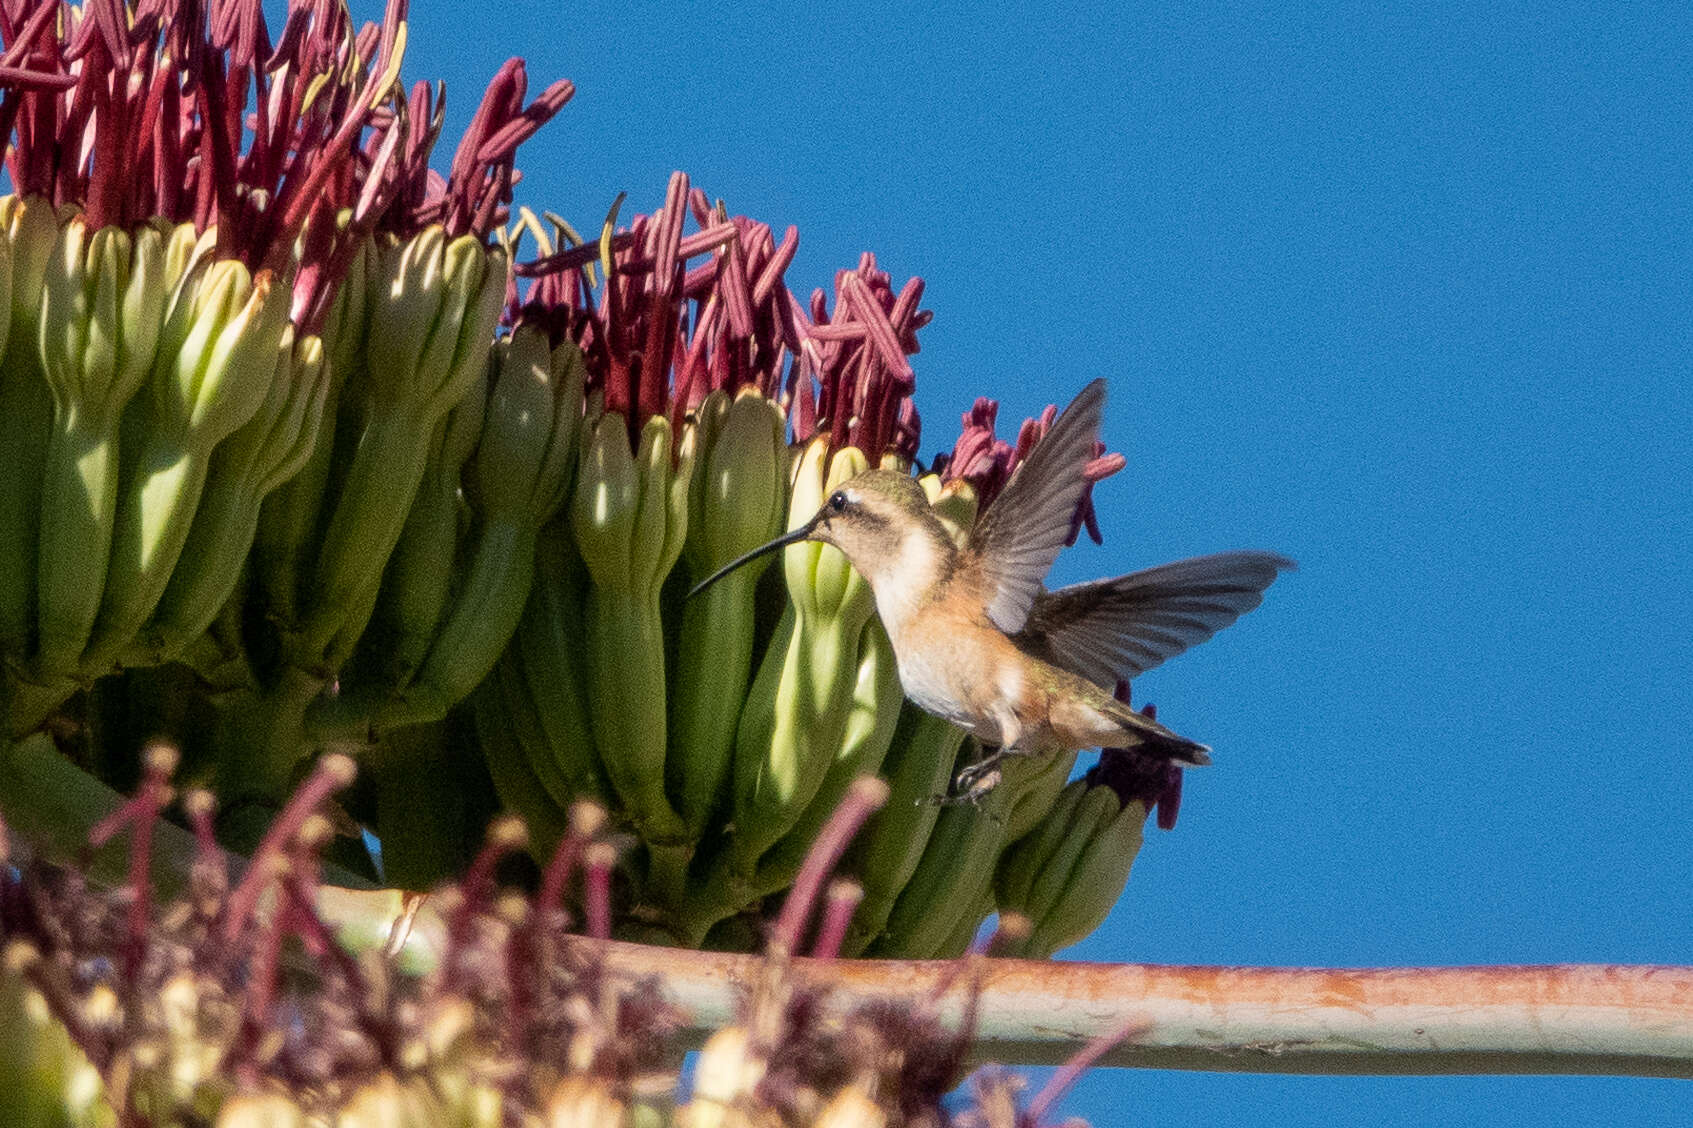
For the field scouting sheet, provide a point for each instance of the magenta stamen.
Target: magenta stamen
(598, 860)
(882, 335)
(862, 799)
(1071, 1071)
(838, 906)
(332, 773)
(770, 275)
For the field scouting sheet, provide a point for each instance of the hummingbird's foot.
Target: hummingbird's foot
(975, 780)
(972, 790)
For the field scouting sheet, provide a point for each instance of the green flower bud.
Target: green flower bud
(265, 452)
(738, 502)
(217, 365)
(100, 320)
(433, 305)
(30, 228)
(629, 514)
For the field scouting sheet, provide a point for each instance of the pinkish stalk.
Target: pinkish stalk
(303, 919)
(262, 967)
(598, 860)
(838, 906)
(1009, 929)
(1062, 1081)
(863, 798)
(586, 821)
(140, 813)
(332, 773)
(476, 889)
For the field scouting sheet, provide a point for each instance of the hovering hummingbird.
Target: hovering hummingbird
(978, 638)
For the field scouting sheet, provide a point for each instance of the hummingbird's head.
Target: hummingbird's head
(881, 522)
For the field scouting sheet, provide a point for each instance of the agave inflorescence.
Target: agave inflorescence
(308, 457)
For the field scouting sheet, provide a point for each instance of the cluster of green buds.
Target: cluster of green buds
(230, 999)
(241, 313)
(308, 458)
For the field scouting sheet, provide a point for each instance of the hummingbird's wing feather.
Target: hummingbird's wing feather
(1024, 529)
(1111, 630)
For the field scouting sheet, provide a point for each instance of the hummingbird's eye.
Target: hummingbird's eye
(837, 502)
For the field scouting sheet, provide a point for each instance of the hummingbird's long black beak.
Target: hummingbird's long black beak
(782, 541)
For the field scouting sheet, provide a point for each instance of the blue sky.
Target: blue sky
(1400, 290)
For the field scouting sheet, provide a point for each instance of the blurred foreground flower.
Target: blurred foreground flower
(233, 1004)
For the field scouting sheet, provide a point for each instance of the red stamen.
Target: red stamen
(838, 906)
(862, 799)
(332, 773)
(598, 860)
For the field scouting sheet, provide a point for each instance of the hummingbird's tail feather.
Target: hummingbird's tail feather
(1146, 734)
(1093, 718)
(1115, 630)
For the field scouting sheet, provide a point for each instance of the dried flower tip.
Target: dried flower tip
(315, 832)
(508, 833)
(586, 818)
(161, 760)
(513, 908)
(852, 1107)
(1013, 928)
(583, 1101)
(839, 904)
(19, 956)
(101, 1008)
(338, 767)
(260, 1110)
(728, 1071)
(199, 803)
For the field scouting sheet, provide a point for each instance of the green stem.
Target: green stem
(285, 541)
(261, 736)
(78, 501)
(713, 666)
(369, 515)
(626, 640)
(152, 528)
(30, 703)
(209, 567)
(26, 417)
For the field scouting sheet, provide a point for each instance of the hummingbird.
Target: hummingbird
(980, 641)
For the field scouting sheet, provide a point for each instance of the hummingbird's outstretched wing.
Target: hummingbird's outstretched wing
(1118, 629)
(1025, 528)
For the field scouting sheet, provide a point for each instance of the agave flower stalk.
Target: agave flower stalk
(749, 349)
(106, 114)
